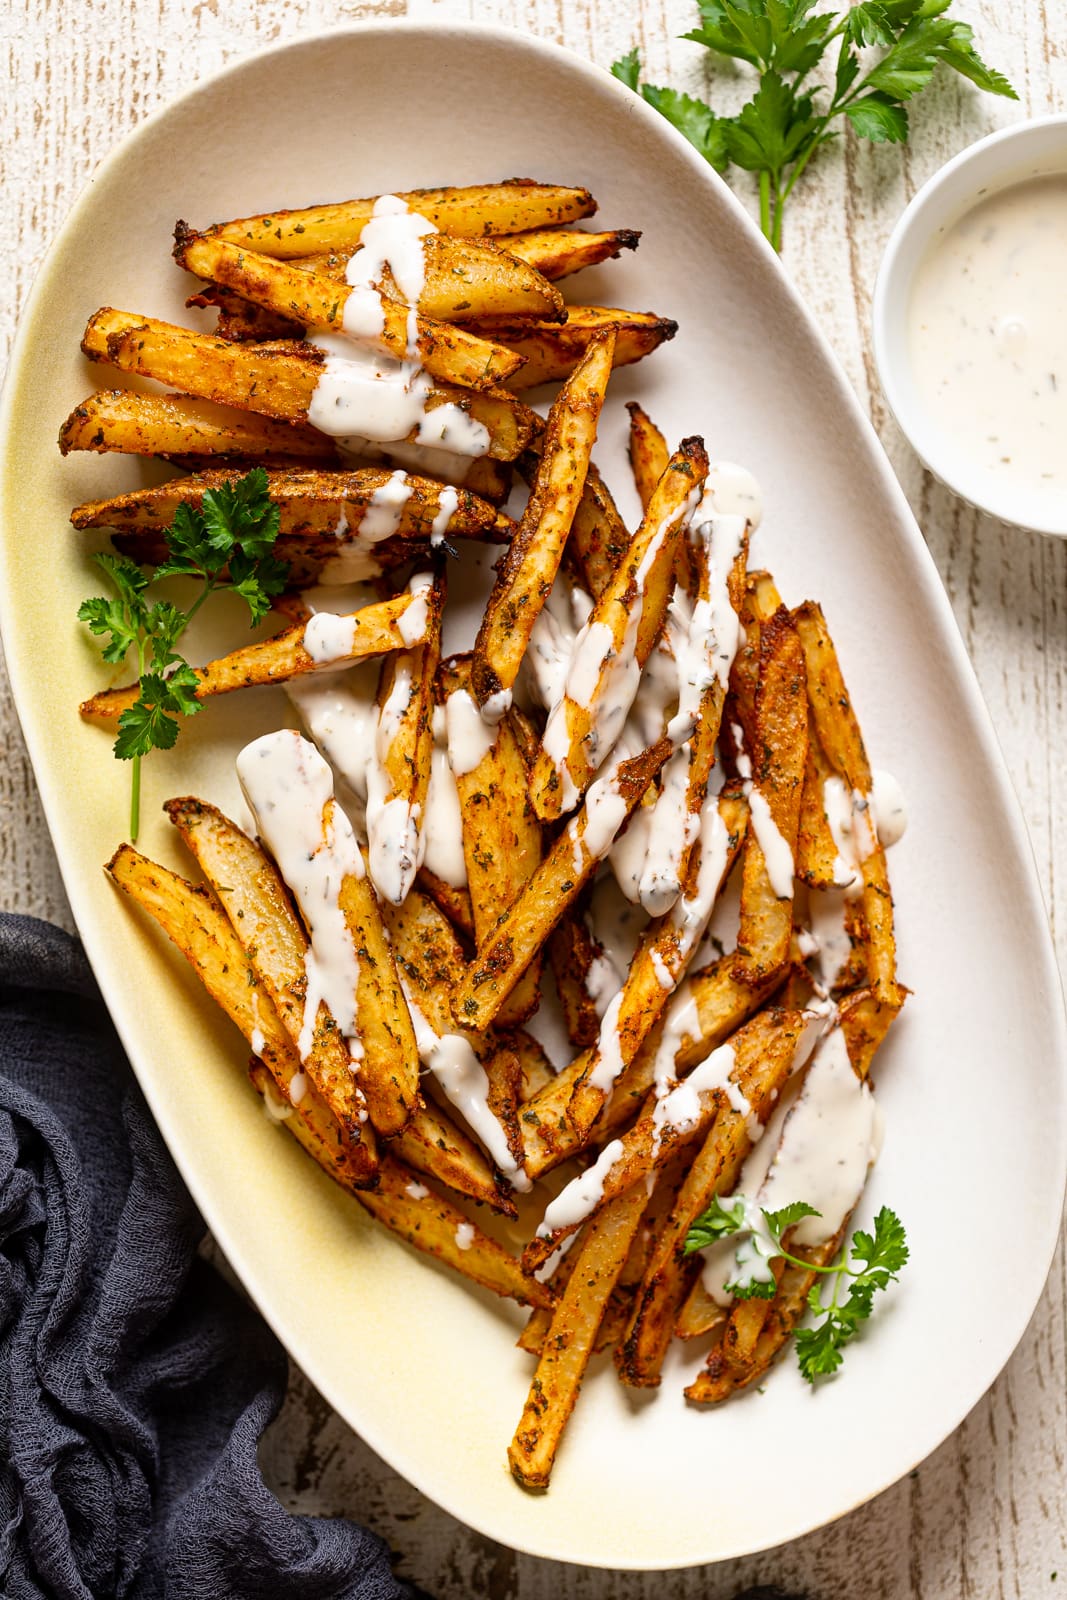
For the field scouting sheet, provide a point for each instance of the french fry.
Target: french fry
(251, 891)
(274, 380)
(658, 965)
(700, 1313)
(191, 918)
(398, 778)
(514, 206)
(534, 1065)
(720, 1005)
(781, 733)
(454, 902)
(501, 836)
(841, 740)
(528, 570)
(648, 453)
(758, 1059)
(376, 629)
(551, 350)
(572, 950)
(450, 354)
(571, 1339)
(504, 1072)
(557, 252)
(464, 278)
(556, 884)
(176, 425)
(599, 537)
(432, 1143)
(615, 643)
(425, 1219)
(239, 319)
(817, 854)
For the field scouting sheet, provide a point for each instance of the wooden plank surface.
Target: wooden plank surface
(987, 1514)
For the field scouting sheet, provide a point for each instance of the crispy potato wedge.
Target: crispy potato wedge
(615, 643)
(758, 1059)
(398, 779)
(528, 570)
(238, 319)
(175, 425)
(454, 902)
(778, 769)
(817, 854)
(572, 950)
(551, 350)
(649, 453)
(572, 1337)
(515, 206)
(464, 278)
(376, 629)
(599, 537)
(254, 897)
(501, 835)
(558, 881)
(450, 354)
(557, 252)
(840, 738)
(192, 919)
(504, 1071)
(700, 1314)
(277, 380)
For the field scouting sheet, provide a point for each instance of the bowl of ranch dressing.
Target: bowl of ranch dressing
(970, 324)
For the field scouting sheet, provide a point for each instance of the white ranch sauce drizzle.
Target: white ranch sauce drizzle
(339, 713)
(464, 1235)
(288, 787)
(394, 835)
(329, 638)
(451, 1059)
(564, 613)
(416, 1191)
(776, 852)
(364, 392)
(582, 1195)
(447, 504)
(470, 737)
(859, 822)
(830, 1138)
(442, 827)
(988, 340)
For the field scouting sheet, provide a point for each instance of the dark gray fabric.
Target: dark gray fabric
(134, 1383)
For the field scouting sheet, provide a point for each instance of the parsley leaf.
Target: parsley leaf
(719, 1221)
(227, 543)
(786, 122)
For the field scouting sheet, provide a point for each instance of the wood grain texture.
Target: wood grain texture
(987, 1514)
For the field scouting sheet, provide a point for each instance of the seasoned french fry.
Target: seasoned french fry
(276, 380)
(557, 252)
(398, 778)
(571, 1339)
(599, 537)
(700, 1314)
(758, 1059)
(551, 350)
(572, 950)
(504, 1071)
(841, 740)
(528, 570)
(514, 206)
(193, 920)
(455, 903)
(556, 884)
(501, 836)
(255, 899)
(426, 1219)
(648, 453)
(373, 630)
(659, 963)
(239, 319)
(817, 854)
(176, 425)
(464, 278)
(450, 354)
(778, 770)
(719, 1006)
(615, 643)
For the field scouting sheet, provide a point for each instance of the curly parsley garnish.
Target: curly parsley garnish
(872, 1262)
(786, 121)
(233, 533)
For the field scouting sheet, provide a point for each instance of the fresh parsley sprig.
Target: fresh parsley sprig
(872, 1262)
(784, 124)
(226, 545)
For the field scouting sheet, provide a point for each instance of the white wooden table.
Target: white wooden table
(987, 1514)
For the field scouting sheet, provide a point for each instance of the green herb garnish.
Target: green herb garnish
(233, 532)
(872, 1262)
(781, 127)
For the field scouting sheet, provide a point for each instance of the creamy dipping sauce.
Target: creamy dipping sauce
(988, 338)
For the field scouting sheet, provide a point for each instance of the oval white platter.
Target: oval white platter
(971, 1081)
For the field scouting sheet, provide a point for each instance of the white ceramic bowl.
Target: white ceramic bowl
(1015, 154)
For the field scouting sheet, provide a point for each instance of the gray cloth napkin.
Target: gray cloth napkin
(134, 1383)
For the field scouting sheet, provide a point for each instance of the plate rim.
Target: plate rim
(1030, 893)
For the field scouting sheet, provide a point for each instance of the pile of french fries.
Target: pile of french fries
(550, 790)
